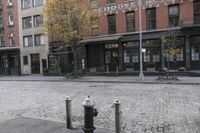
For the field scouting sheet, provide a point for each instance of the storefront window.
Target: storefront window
(107, 56)
(195, 53)
(110, 46)
(132, 44)
(156, 55)
(135, 56)
(195, 42)
(179, 54)
(126, 57)
(147, 56)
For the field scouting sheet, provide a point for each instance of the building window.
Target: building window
(173, 15)
(25, 60)
(156, 55)
(1, 22)
(10, 2)
(195, 53)
(26, 4)
(26, 22)
(130, 21)
(94, 26)
(195, 41)
(11, 40)
(196, 12)
(10, 20)
(147, 55)
(151, 18)
(93, 3)
(39, 40)
(108, 57)
(112, 24)
(111, 1)
(37, 2)
(135, 56)
(38, 20)
(27, 41)
(1, 41)
(126, 56)
(179, 54)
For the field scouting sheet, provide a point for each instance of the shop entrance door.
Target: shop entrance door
(112, 59)
(35, 63)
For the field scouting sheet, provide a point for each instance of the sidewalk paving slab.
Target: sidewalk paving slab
(30, 125)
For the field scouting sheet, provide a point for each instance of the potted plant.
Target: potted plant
(182, 69)
(151, 67)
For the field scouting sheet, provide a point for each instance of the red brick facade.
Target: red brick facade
(14, 29)
(186, 12)
(120, 50)
(9, 33)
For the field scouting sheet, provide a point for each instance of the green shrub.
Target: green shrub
(150, 64)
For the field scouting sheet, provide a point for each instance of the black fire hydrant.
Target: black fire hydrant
(89, 113)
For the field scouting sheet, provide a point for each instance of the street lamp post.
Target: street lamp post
(141, 75)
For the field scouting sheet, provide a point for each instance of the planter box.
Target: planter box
(129, 69)
(151, 69)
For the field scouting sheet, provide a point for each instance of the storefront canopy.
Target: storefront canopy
(100, 39)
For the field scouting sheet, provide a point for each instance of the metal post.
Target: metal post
(107, 69)
(141, 75)
(117, 70)
(117, 117)
(68, 113)
(88, 116)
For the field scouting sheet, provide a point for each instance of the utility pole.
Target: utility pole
(141, 75)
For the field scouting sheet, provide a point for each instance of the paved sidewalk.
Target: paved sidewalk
(135, 79)
(36, 77)
(106, 79)
(29, 125)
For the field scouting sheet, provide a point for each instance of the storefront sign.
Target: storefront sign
(128, 5)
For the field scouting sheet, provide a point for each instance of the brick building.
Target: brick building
(9, 38)
(114, 42)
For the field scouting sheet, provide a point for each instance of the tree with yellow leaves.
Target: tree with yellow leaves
(67, 21)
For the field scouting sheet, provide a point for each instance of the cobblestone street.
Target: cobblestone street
(146, 108)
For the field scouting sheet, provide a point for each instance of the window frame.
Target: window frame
(23, 22)
(34, 5)
(39, 23)
(42, 42)
(130, 21)
(111, 1)
(23, 5)
(25, 60)
(174, 16)
(112, 24)
(1, 41)
(151, 20)
(11, 40)
(27, 36)
(196, 14)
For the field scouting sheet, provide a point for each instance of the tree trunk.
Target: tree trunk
(167, 67)
(75, 70)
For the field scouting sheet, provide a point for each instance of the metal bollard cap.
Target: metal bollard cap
(68, 98)
(88, 103)
(116, 101)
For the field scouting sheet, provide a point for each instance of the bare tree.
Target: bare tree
(169, 41)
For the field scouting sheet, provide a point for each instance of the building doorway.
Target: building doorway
(35, 63)
(112, 56)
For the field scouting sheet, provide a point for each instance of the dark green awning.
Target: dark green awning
(101, 39)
